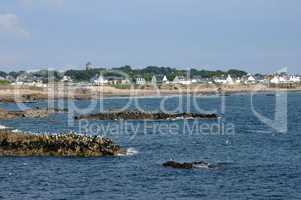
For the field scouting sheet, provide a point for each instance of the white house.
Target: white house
(238, 81)
(250, 79)
(140, 81)
(294, 79)
(181, 80)
(39, 84)
(283, 79)
(165, 80)
(66, 79)
(99, 80)
(115, 80)
(154, 80)
(194, 80)
(275, 80)
(220, 81)
(229, 80)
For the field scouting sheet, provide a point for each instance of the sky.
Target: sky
(256, 36)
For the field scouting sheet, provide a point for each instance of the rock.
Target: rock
(136, 115)
(6, 115)
(177, 165)
(21, 144)
(191, 165)
(25, 98)
(31, 113)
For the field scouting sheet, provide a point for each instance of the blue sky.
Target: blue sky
(257, 35)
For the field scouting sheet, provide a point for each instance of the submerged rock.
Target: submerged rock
(191, 165)
(136, 115)
(25, 98)
(30, 113)
(177, 165)
(21, 144)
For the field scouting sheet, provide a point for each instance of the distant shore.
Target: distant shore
(29, 94)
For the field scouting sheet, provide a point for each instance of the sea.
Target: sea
(256, 141)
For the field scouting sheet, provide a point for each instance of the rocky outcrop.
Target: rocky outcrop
(31, 113)
(191, 165)
(25, 98)
(21, 144)
(136, 115)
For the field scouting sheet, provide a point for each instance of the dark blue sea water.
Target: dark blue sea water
(258, 161)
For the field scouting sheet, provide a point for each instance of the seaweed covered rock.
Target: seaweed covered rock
(136, 115)
(21, 144)
(191, 165)
(177, 165)
(30, 113)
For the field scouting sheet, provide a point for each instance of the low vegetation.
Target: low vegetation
(4, 82)
(85, 75)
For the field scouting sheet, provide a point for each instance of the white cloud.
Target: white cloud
(9, 23)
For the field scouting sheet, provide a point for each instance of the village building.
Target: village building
(275, 80)
(99, 80)
(250, 79)
(261, 79)
(294, 79)
(24, 79)
(39, 83)
(283, 79)
(116, 80)
(279, 80)
(201, 80)
(165, 80)
(220, 81)
(10, 78)
(89, 66)
(194, 81)
(238, 81)
(181, 80)
(229, 80)
(27, 79)
(140, 81)
(66, 79)
(154, 80)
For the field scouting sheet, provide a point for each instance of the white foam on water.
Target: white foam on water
(16, 131)
(206, 166)
(3, 127)
(129, 152)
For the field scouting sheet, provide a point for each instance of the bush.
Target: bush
(4, 82)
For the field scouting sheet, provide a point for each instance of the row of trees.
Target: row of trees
(147, 73)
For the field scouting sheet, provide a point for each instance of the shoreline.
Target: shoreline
(30, 94)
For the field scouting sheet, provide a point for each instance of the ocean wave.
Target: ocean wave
(16, 131)
(3, 127)
(206, 166)
(130, 152)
